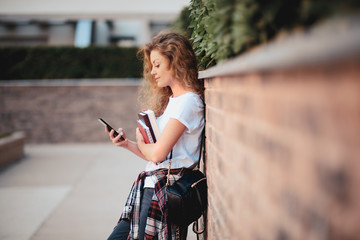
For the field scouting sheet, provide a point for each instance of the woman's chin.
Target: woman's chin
(161, 85)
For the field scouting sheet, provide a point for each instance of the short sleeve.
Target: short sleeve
(189, 111)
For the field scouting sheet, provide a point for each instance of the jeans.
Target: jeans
(121, 231)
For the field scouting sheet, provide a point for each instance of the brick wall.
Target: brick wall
(67, 111)
(283, 150)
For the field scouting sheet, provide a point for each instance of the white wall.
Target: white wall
(130, 18)
(148, 9)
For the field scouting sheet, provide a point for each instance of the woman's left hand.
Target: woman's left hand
(139, 137)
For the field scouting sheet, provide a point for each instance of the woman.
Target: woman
(172, 90)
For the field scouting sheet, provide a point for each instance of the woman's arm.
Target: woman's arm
(158, 151)
(128, 144)
(132, 147)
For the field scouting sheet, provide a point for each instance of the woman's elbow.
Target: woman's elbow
(157, 156)
(155, 159)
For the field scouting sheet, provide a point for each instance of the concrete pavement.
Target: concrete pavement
(66, 191)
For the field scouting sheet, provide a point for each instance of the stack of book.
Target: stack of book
(148, 126)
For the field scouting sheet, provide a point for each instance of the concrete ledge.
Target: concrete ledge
(329, 41)
(11, 148)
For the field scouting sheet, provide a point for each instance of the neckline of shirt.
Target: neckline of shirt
(184, 94)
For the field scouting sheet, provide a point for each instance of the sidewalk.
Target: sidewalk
(66, 191)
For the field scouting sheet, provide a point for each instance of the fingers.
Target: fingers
(116, 140)
(119, 139)
(111, 134)
(139, 137)
(121, 133)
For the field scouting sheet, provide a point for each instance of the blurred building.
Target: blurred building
(82, 23)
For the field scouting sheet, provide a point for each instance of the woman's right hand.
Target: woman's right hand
(116, 140)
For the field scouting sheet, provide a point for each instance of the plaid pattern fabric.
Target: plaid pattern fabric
(157, 226)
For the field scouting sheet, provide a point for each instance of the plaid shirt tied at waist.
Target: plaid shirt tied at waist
(157, 226)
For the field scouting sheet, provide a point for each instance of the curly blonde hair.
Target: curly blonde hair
(183, 62)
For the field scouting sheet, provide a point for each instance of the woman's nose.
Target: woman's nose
(152, 72)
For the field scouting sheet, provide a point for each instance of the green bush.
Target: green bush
(181, 24)
(222, 29)
(68, 63)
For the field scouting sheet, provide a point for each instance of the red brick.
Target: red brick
(283, 154)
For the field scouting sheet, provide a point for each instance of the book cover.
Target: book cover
(145, 118)
(153, 122)
(149, 119)
(145, 132)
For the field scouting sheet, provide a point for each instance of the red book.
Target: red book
(148, 117)
(145, 132)
(145, 118)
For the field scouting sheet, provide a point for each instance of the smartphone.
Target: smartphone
(110, 128)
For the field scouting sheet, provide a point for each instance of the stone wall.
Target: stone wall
(67, 111)
(283, 140)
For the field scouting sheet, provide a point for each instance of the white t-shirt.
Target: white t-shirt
(189, 110)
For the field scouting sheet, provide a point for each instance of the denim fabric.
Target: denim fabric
(144, 209)
(121, 231)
